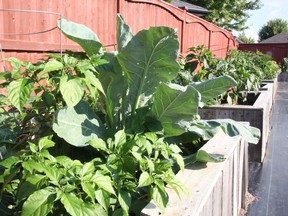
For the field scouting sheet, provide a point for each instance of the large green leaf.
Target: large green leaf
(103, 198)
(82, 35)
(93, 210)
(174, 105)
(53, 65)
(204, 128)
(72, 204)
(89, 189)
(90, 79)
(234, 128)
(78, 125)
(160, 197)
(209, 128)
(210, 89)
(145, 179)
(148, 59)
(77, 207)
(18, 92)
(124, 199)
(39, 203)
(71, 90)
(123, 33)
(103, 182)
(30, 185)
(45, 142)
(115, 86)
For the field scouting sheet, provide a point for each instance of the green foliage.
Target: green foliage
(228, 14)
(124, 112)
(245, 39)
(284, 65)
(273, 27)
(247, 68)
(44, 184)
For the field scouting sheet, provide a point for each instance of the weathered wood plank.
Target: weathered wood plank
(235, 181)
(227, 192)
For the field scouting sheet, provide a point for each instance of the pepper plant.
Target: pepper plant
(124, 115)
(247, 68)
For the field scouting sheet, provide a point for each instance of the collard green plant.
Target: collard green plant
(140, 66)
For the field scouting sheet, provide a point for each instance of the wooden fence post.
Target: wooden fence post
(184, 25)
(119, 6)
(209, 41)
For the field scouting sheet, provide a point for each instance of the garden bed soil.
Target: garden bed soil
(214, 188)
(257, 114)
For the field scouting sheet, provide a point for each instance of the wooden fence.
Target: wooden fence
(277, 50)
(28, 27)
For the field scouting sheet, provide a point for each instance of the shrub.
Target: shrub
(284, 65)
(247, 68)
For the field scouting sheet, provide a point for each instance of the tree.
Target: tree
(245, 39)
(229, 14)
(273, 27)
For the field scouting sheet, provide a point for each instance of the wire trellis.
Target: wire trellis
(31, 33)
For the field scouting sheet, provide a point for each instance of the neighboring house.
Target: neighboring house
(279, 38)
(191, 8)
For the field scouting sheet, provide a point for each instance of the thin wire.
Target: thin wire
(61, 36)
(2, 58)
(30, 33)
(30, 11)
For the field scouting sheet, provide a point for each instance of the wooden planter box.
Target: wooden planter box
(258, 115)
(215, 188)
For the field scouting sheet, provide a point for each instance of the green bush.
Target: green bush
(284, 65)
(247, 68)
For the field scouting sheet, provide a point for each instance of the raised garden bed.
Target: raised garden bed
(257, 114)
(215, 188)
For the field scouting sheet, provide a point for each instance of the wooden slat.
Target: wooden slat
(235, 181)
(227, 197)
(217, 198)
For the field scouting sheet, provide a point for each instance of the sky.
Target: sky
(271, 9)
